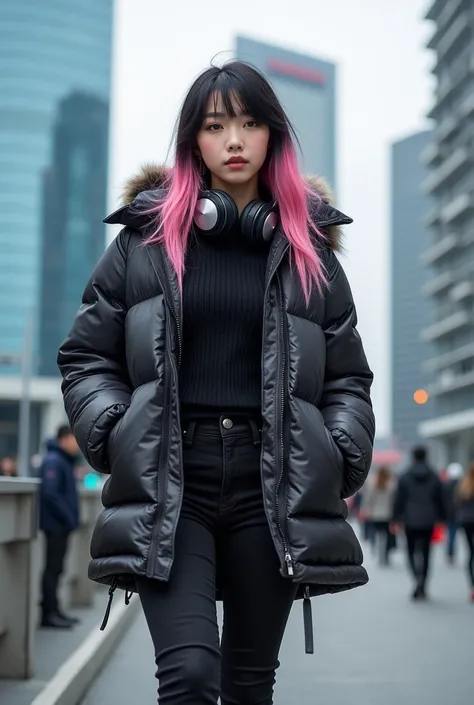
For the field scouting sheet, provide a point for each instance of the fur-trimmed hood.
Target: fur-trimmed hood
(142, 188)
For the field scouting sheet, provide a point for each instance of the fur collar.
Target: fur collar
(325, 215)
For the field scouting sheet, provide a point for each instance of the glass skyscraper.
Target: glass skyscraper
(411, 307)
(55, 75)
(55, 66)
(306, 86)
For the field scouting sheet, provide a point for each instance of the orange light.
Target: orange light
(420, 396)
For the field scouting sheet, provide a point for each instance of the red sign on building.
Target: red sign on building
(284, 68)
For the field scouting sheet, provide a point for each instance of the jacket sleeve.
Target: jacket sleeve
(345, 403)
(92, 362)
(51, 496)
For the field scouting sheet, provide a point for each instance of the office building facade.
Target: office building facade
(306, 86)
(411, 308)
(450, 256)
(55, 76)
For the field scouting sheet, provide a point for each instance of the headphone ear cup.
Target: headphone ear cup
(215, 212)
(258, 221)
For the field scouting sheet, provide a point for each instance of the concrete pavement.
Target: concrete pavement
(372, 646)
(52, 648)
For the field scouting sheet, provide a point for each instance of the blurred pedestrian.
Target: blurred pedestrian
(377, 507)
(230, 451)
(465, 518)
(454, 473)
(8, 466)
(59, 516)
(419, 506)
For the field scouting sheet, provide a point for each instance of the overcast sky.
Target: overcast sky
(384, 93)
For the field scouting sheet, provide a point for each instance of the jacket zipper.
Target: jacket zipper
(178, 330)
(181, 484)
(151, 570)
(288, 558)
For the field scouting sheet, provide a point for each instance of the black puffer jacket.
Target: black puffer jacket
(120, 367)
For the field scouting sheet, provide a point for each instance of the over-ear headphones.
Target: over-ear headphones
(216, 212)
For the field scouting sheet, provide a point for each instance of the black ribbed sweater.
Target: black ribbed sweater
(223, 293)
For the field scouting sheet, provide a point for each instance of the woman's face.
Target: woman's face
(233, 148)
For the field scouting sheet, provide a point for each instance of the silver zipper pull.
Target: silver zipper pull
(289, 564)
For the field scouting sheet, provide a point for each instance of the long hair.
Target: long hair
(466, 485)
(382, 478)
(239, 82)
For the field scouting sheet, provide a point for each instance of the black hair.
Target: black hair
(420, 453)
(63, 432)
(235, 81)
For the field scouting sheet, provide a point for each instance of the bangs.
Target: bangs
(233, 95)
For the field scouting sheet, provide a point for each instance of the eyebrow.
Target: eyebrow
(223, 115)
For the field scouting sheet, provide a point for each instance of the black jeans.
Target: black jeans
(223, 536)
(56, 549)
(419, 552)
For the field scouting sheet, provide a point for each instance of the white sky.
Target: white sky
(384, 93)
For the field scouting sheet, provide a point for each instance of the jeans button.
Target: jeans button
(227, 423)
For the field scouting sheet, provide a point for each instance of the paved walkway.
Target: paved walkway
(373, 646)
(52, 647)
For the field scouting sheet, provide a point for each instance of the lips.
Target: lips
(236, 160)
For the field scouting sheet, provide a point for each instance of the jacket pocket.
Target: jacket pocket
(97, 439)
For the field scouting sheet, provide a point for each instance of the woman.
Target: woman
(465, 518)
(215, 371)
(377, 508)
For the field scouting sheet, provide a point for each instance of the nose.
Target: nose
(234, 140)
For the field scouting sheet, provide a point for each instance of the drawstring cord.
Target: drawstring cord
(308, 622)
(112, 589)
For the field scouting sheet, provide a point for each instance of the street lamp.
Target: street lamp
(421, 396)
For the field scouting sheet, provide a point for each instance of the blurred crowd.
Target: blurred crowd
(415, 510)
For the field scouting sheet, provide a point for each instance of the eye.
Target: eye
(252, 123)
(213, 127)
